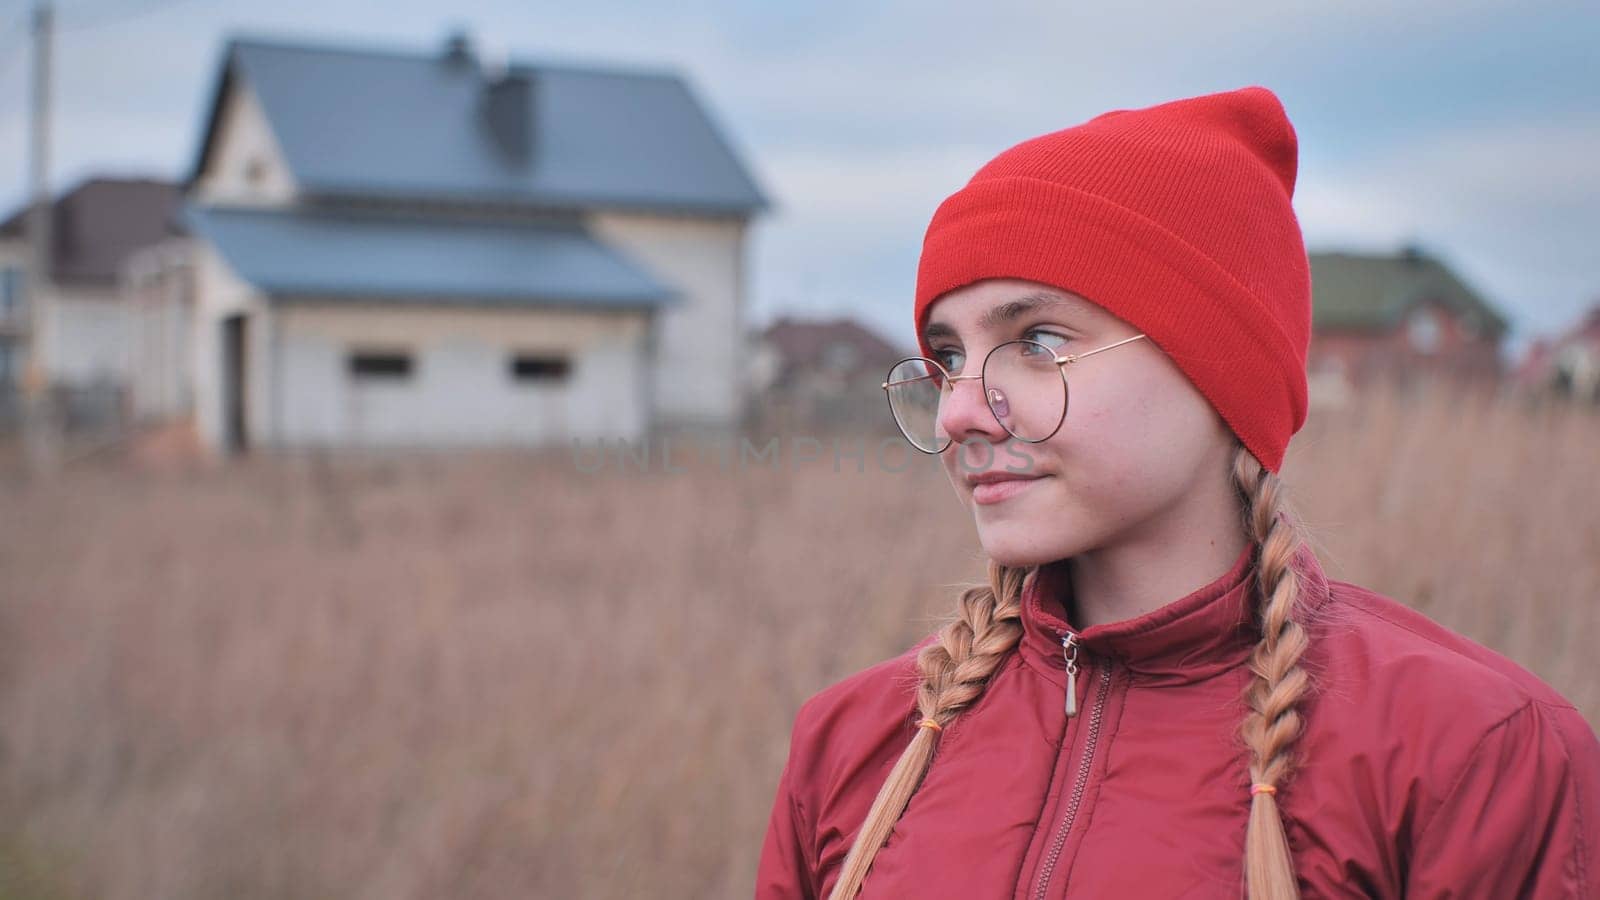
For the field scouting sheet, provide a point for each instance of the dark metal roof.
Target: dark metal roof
(345, 255)
(386, 124)
(96, 225)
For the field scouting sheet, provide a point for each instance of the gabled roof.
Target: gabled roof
(97, 224)
(1583, 332)
(805, 342)
(417, 125)
(1374, 292)
(1586, 329)
(346, 255)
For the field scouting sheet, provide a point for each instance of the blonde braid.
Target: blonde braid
(1273, 723)
(955, 670)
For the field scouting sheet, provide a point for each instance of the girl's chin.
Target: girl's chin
(1018, 558)
(1017, 546)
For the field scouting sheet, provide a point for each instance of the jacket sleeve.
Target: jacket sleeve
(785, 871)
(1521, 817)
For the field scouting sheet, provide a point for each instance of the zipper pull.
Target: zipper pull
(1069, 649)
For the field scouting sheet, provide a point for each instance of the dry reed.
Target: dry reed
(490, 675)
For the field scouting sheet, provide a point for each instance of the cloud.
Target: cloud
(859, 118)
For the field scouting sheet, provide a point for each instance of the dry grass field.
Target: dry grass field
(494, 675)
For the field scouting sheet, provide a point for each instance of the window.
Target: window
(1423, 331)
(840, 356)
(11, 288)
(380, 365)
(540, 367)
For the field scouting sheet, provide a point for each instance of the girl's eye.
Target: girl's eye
(950, 359)
(1047, 337)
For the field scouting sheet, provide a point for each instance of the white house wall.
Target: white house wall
(161, 384)
(87, 337)
(83, 331)
(460, 390)
(698, 376)
(246, 166)
(158, 287)
(220, 295)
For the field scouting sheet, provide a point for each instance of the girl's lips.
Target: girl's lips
(996, 491)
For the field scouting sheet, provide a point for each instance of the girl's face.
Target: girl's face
(1139, 448)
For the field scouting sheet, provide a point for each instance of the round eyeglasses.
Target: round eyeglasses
(1024, 382)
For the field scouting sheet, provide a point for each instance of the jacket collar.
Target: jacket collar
(1201, 634)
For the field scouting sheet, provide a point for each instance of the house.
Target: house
(423, 249)
(14, 325)
(1403, 317)
(83, 323)
(1568, 364)
(821, 371)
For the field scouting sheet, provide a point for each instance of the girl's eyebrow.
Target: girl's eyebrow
(1006, 312)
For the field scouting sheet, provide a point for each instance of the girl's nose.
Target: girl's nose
(965, 416)
(998, 404)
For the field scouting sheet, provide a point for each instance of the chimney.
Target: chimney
(458, 49)
(507, 109)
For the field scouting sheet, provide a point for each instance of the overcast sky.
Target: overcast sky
(1472, 128)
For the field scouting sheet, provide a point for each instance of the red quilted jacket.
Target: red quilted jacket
(1430, 766)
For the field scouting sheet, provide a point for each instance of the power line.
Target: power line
(16, 31)
(84, 18)
(12, 41)
(75, 20)
(16, 34)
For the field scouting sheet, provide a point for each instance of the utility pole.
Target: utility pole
(39, 425)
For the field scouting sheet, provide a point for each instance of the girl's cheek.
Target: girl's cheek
(1089, 426)
(1017, 456)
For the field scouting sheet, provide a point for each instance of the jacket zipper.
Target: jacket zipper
(1069, 648)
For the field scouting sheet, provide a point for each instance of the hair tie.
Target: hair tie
(930, 723)
(1263, 789)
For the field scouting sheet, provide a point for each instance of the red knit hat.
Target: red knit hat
(1175, 218)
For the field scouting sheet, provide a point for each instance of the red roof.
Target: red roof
(805, 343)
(1587, 329)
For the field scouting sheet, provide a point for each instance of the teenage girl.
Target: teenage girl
(1159, 693)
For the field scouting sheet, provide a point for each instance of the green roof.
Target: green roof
(1362, 292)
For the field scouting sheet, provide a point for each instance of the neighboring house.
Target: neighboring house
(821, 371)
(413, 249)
(1569, 364)
(1396, 317)
(94, 228)
(13, 313)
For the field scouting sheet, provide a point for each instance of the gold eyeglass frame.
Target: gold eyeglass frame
(1061, 366)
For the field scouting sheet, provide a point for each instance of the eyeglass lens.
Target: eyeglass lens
(1022, 384)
